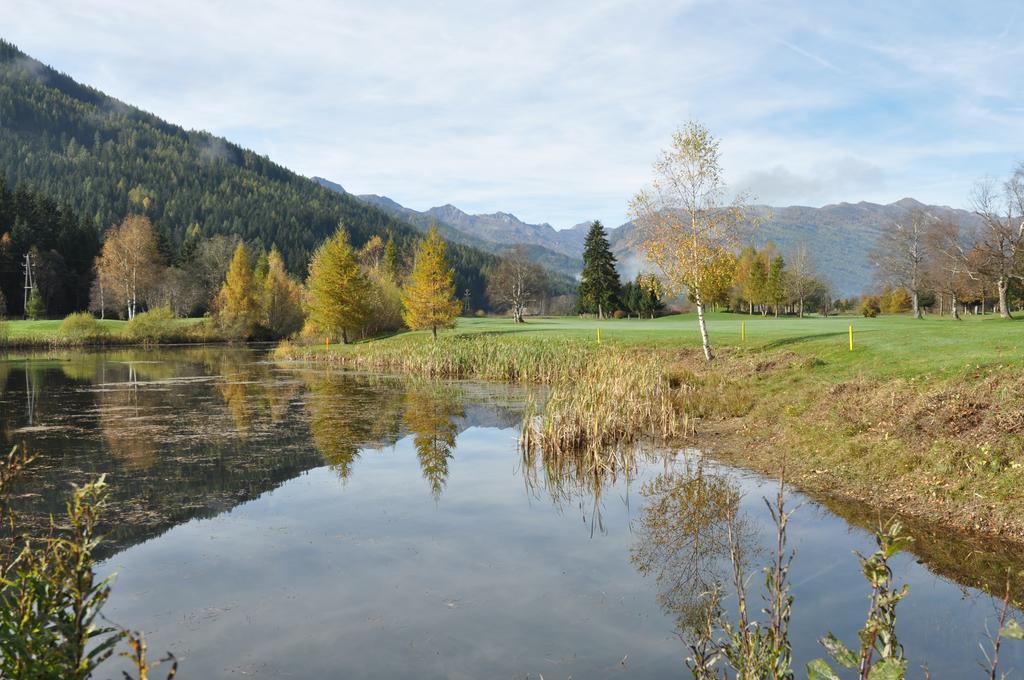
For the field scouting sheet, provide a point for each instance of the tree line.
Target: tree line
(930, 260)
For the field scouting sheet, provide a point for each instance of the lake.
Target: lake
(284, 521)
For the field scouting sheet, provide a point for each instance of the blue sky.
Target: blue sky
(553, 110)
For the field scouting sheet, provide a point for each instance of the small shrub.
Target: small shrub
(619, 314)
(869, 307)
(156, 325)
(479, 313)
(35, 309)
(80, 328)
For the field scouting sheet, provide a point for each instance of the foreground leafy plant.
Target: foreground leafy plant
(880, 656)
(50, 598)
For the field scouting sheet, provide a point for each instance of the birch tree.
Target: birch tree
(1001, 237)
(129, 262)
(686, 224)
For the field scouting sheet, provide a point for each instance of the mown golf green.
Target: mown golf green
(883, 346)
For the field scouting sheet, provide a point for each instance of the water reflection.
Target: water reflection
(430, 498)
(193, 432)
(683, 539)
(430, 413)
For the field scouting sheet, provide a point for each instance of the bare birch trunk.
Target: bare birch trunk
(705, 342)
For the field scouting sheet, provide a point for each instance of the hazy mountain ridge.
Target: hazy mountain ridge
(460, 227)
(839, 235)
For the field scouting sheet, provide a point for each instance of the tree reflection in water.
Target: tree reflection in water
(684, 539)
(347, 414)
(430, 412)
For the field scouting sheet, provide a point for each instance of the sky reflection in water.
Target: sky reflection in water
(288, 522)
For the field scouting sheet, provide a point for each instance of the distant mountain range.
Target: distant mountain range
(839, 236)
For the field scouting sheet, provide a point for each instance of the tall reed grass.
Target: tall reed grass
(485, 357)
(602, 398)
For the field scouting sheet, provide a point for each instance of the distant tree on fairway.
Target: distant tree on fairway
(1001, 238)
(686, 226)
(743, 281)
(642, 296)
(775, 293)
(802, 279)
(599, 283)
(950, 262)
(280, 299)
(238, 309)
(901, 256)
(429, 295)
(516, 283)
(338, 288)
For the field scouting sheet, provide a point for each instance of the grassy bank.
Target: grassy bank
(47, 333)
(925, 418)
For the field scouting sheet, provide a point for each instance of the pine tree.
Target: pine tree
(338, 288)
(429, 296)
(599, 283)
(237, 308)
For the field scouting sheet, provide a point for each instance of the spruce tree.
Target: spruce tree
(599, 284)
(429, 296)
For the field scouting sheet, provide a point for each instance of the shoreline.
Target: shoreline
(892, 444)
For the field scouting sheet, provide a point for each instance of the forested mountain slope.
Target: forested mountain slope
(106, 159)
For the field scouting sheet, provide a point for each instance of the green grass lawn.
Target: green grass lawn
(886, 345)
(19, 329)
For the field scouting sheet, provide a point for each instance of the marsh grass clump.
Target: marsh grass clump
(486, 357)
(618, 400)
(82, 328)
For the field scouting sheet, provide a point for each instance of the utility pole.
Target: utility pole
(29, 284)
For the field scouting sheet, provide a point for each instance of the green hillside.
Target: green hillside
(107, 159)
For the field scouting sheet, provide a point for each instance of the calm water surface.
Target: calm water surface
(281, 521)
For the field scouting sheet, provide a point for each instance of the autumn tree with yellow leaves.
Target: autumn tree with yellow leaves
(238, 308)
(338, 288)
(428, 297)
(689, 231)
(129, 262)
(281, 303)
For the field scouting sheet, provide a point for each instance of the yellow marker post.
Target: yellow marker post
(327, 343)
(851, 337)
(743, 331)
(599, 335)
